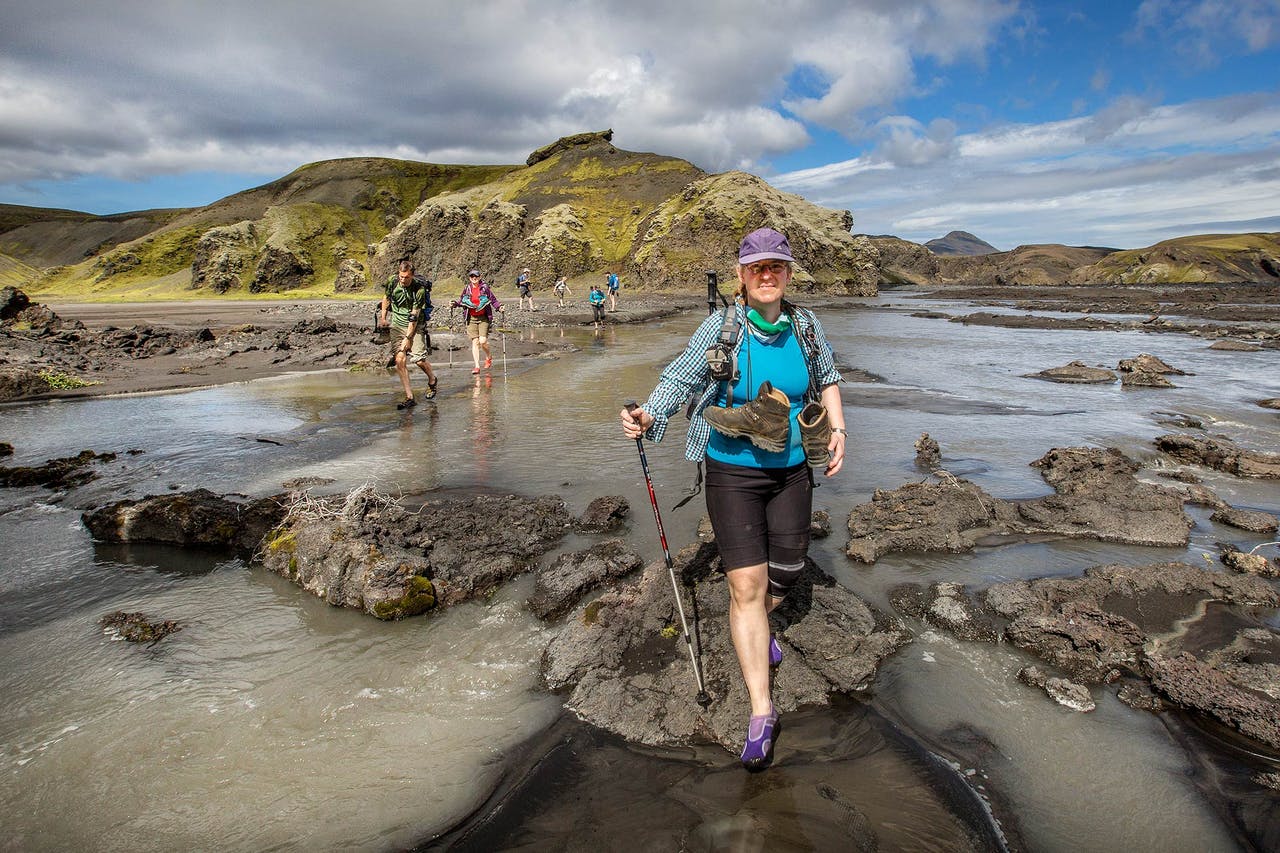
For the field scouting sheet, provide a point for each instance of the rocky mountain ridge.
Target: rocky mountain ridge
(292, 234)
(580, 207)
(1197, 259)
(584, 207)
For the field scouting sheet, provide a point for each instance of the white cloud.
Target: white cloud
(1202, 161)
(1205, 30)
(909, 143)
(133, 88)
(131, 85)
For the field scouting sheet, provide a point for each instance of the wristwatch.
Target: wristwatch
(841, 430)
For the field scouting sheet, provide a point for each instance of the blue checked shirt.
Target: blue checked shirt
(689, 375)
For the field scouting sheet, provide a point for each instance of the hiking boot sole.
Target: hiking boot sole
(815, 435)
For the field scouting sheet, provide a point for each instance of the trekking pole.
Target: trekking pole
(704, 699)
(453, 308)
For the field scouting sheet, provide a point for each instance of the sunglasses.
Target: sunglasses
(776, 268)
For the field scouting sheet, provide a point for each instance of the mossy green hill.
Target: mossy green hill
(1186, 260)
(578, 207)
(41, 238)
(296, 232)
(583, 207)
(15, 215)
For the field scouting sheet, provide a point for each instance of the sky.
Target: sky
(1086, 123)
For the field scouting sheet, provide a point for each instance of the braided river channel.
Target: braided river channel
(273, 721)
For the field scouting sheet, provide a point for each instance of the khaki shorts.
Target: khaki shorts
(417, 349)
(477, 328)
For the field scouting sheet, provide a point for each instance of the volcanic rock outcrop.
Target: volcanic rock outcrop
(1096, 496)
(621, 661)
(1180, 632)
(196, 518)
(367, 552)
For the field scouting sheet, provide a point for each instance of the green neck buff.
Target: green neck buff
(764, 325)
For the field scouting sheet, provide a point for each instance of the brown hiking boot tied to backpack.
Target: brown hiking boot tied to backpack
(764, 421)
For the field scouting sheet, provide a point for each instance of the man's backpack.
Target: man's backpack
(424, 283)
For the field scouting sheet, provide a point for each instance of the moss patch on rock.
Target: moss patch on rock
(419, 597)
(284, 540)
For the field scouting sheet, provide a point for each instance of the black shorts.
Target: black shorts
(760, 515)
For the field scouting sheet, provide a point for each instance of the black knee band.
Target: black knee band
(782, 578)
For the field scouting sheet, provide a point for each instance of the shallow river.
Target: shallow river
(273, 721)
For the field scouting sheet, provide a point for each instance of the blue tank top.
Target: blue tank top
(778, 359)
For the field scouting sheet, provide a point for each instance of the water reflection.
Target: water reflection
(483, 431)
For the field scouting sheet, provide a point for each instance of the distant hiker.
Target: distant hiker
(524, 283)
(407, 304)
(614, 287)
(479, 303)
(596, 298)
(774, 359)
(562, 287)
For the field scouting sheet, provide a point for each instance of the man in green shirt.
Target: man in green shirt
(407, 304)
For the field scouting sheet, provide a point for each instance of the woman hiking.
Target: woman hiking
(768, 414)
(479, 303)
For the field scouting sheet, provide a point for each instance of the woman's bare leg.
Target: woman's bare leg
(749, 606)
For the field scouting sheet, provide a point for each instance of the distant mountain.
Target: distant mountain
(578, 207)
(960, 243)
(49, 237)
(291, 235)
(1201, 258)
(1037, 264)
(583, 206)
(1225, 258)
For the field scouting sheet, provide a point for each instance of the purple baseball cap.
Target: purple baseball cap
(762, 244)
(475, 273)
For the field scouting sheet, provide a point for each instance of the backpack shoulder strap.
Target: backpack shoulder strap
(726, 346)
(808, 341)
(729, 327)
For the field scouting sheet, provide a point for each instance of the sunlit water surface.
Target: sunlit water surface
(273, 721)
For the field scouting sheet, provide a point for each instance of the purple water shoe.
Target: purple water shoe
(757, 752)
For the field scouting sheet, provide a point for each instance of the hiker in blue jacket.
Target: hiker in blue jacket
(524, 283)
(614, 286)
(596, 298)
(767, 416)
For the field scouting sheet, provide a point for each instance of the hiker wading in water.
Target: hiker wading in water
(524, 283)
(596, 298)
(479, 303)
(407, 305)
(768, 414)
